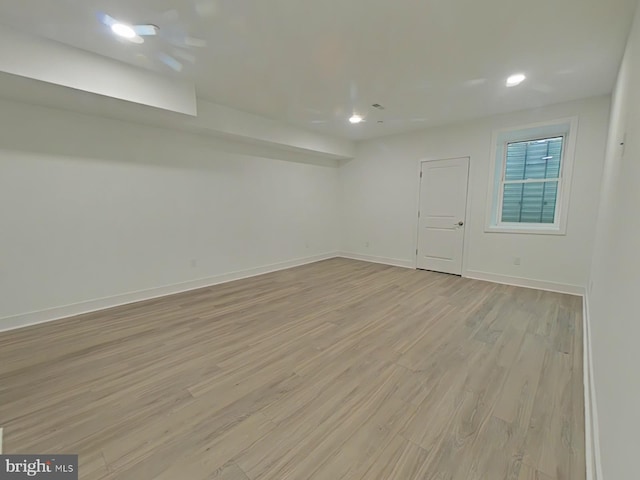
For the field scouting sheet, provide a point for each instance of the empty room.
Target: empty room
(319, 239)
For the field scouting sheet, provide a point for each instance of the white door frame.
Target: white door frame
(465, 237)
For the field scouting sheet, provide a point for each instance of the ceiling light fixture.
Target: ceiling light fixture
(137, 39)
(516, 79)
(124, 31)
(355, 119)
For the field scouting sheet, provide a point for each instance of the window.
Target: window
(532, 167)
(530, 181)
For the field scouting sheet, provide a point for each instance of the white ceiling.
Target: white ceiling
(313, 62)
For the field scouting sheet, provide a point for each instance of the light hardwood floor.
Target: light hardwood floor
(336, 370)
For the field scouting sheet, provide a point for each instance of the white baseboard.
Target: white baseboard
(592, 434)
(525, 282)
(395, 262)
(477, 275)
(57, 313)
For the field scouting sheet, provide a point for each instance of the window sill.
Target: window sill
(526, 229)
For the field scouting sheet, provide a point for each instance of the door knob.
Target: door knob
(460, 223)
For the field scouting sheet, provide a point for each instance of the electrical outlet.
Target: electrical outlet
(516, 260)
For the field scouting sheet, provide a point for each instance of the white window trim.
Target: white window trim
(565, 127)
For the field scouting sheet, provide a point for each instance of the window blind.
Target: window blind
(530, 181)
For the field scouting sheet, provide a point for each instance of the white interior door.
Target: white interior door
(443, 204)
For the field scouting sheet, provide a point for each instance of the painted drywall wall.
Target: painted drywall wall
(93, 208)
(615, 279)
(213, 119)
(379, 191)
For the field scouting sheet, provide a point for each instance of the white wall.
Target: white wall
(380, 189)
(614, 297)
(93, 208)
(213, 119)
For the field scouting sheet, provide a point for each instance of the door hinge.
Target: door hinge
(416, 251)
(418, 213)
(420, 173)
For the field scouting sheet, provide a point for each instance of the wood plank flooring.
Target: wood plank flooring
(336, 370)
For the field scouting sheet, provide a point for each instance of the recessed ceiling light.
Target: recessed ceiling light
(124, 31)
(355, 118)
(516, 79)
